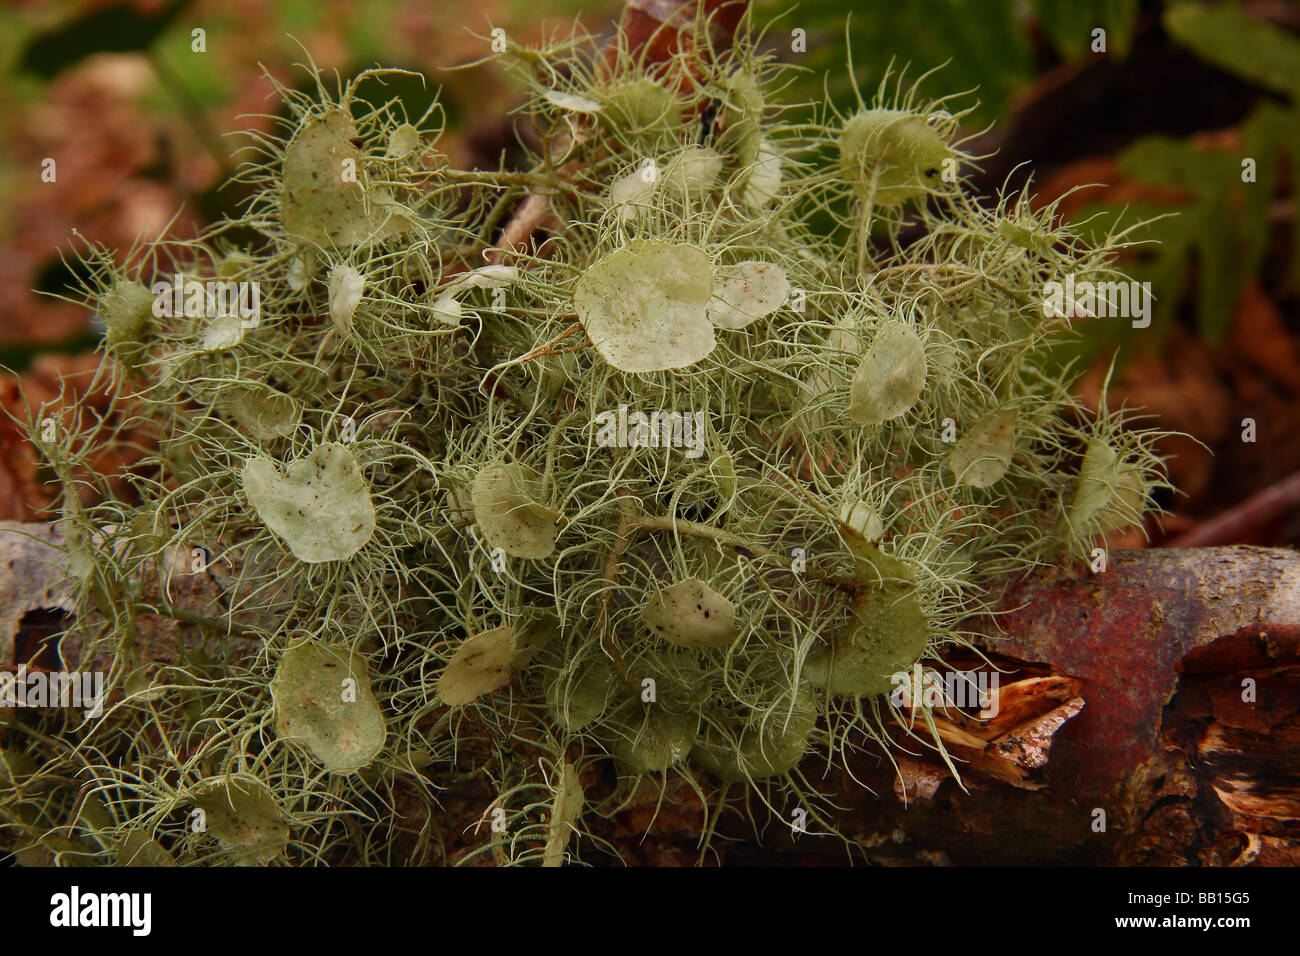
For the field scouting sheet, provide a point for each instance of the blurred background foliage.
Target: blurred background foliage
(1163, 119)
(994, 47)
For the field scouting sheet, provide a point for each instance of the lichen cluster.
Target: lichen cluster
(752, 419)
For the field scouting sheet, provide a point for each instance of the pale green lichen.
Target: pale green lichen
(891, 376)
(892, 155)
(319, 504)
(480, 665)
(244, 817)
(645, 306)
(673, 499)
(323, 698)
(689, 613)
(507, 514)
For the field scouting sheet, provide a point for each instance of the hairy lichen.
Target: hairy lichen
(681, 491)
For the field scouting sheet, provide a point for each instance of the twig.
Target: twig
(613, 562)
(533, 213)
(736, 543)
(696, 530)
(1231, 526)
(545, 347)
(219, 625)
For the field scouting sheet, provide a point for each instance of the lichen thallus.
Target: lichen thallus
(433, 578)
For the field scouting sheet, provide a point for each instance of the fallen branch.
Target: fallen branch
(1186, 749)
(1229, 527)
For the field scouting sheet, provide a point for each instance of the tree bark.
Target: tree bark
(1167, 694)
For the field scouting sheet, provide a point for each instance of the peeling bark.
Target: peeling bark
(1185, 771)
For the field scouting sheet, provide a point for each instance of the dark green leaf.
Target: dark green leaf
(116, 29)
